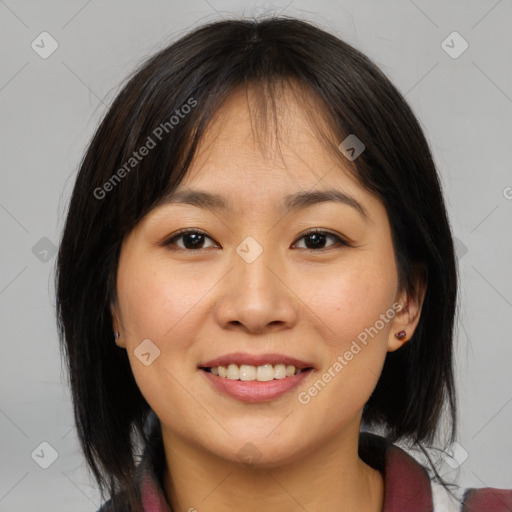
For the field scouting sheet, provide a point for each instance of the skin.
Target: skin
(197, 304)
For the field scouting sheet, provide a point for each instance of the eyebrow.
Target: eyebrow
(292, 202)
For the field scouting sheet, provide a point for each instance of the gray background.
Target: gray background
(50, 108)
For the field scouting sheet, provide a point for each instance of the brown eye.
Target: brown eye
(316, 239)
(193, 239)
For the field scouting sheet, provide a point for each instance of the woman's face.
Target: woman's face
(251, 287)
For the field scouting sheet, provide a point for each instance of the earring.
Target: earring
(401, 335)
(116, 335)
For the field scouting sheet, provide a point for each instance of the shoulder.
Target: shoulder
(487, 499)
(408, 483)
(453, 498)
(470, 500)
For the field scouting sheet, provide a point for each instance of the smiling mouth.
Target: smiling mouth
(262, 373)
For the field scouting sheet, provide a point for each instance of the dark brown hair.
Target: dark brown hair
(201, 70)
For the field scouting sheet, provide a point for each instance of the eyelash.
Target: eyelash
(187, 231)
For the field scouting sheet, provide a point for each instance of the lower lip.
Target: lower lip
(254, 390)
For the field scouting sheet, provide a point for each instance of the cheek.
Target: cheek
(157, 301)
(355, 339)
(354, 308)
(353, 299)
(162, 305)
(152, 310)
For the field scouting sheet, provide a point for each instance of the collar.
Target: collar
(407, 485)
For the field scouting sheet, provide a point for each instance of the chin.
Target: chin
(260, 451)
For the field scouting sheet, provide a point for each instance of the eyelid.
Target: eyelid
(341, 241)
(168, 241)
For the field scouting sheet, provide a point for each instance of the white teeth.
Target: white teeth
(279, 371)
(247, 372)
(263, 373)
(233, 372)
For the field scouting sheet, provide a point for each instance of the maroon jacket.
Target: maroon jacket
(408, 487)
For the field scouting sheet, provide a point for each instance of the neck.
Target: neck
(329, 477)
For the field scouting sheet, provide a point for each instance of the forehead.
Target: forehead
(255, 144)
(251, 165)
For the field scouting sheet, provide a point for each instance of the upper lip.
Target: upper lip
(254, 360)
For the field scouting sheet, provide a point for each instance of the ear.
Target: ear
(116, 326)
(408, 310)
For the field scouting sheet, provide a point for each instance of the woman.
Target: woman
(256, 261)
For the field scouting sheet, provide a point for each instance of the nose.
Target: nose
(256, 296)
